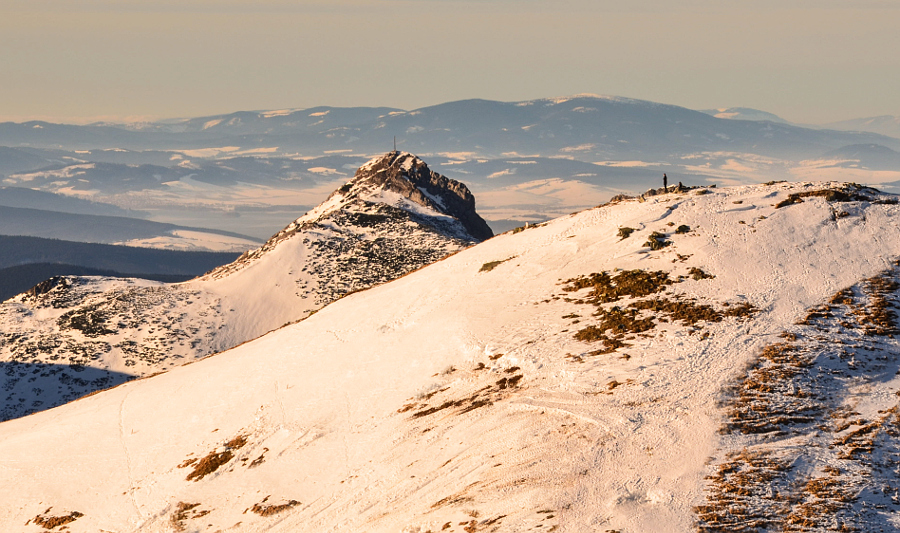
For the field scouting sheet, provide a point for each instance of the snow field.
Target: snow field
(392, 409)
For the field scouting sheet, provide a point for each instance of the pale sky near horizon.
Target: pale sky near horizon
(809, 61)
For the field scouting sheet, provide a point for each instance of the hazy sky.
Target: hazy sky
(810, 61)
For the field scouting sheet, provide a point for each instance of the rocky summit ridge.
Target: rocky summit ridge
(395, 186)
(407, 175)
(74, 335)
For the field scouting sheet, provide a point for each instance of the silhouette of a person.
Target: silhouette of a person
(665, 182)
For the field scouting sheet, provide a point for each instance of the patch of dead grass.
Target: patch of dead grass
(47, 521)
(214, 460)
(263, 509)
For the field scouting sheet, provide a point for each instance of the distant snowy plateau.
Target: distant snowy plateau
(698, 359)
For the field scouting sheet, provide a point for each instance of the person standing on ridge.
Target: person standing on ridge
(665, 182)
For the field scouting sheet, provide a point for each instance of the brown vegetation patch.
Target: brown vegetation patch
(214, 460)
(46, 521)
(491, 265)
(657, 241)
(455, 499)
(625, 284)
(619, 323)
(527, 225)
(487, 395)
(877, 318)
(624, 232)
(741, 310)
(268, 510)
(686, 311)
(768, 400)
(804, 390)
(183, 512)
(698, 274)
(745, 494)
(259, 460)
(820, 500)
(830, 195)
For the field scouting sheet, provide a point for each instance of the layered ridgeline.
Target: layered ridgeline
(712, 359)
(72, 335)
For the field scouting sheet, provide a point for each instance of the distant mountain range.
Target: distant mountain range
(248, 172)
(602, 128)
(883, 125)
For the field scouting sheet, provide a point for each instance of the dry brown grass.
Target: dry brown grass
(698, 274)
(799, 388)
(491, 391)
(625, 284)
(687, 312)
(259, 460)
(657, 241)
(744, 495)
(182, 513)
(51, 522)
(455, 499)
(822, 499)
(262, 509)
(209, 464)
(624, 233)
(766, 401)
(617, 324)
(830, 195)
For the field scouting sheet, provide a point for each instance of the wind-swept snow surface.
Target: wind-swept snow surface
(583, 375)
(71, 336)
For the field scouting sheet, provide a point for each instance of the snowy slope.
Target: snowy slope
(469, 396)
(72, 336)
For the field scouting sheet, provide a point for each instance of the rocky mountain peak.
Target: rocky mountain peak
(394, 187)
(409, 177)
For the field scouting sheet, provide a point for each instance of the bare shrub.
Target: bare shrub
(657, 241)
(625, 232)
(698, 274)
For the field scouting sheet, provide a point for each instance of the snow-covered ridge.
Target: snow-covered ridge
(413, 405)
(78, 335)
